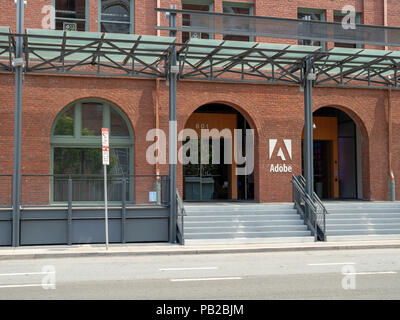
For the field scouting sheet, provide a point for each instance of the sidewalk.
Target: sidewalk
(98, 250)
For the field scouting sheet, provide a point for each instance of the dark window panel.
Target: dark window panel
(92, 119)
(65, 124)
(118, 125)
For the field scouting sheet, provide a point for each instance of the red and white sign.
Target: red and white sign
(105, 137)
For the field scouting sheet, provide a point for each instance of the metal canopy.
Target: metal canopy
(236, 24)
(95, 53)
(7, 49)
(242, 61)
(54, 51)
(357, 67)
(219, 60)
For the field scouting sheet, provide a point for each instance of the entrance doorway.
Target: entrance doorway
(217, 181)
(337, 155)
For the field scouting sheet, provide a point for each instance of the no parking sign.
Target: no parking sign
(105, 137)
(105, 141)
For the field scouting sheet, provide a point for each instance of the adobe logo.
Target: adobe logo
(287, 144)
(275, 151)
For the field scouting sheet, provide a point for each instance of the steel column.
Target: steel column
(173, 148)
(17, 126)
(308, 130)
(69, 211)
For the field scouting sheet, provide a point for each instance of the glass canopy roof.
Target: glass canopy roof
(6, 48)
(54, 51)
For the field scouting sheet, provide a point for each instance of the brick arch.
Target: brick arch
(364, 134)
(352, 114)
(242, 110)
(252, 121)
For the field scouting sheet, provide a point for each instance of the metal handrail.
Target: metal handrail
(311, 209)
(181, 213)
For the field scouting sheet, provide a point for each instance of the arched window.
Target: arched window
(76, 152)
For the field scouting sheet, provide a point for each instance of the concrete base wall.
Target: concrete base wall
(49, 226)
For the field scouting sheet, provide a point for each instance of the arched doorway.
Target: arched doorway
(225, 179)
(76, 152)
(337, 155)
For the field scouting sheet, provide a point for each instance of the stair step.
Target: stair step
(212, 223)
(238, 207)
(242, 218)
(242, 213)
(362, 232)
(241, 229)
(362, 221)
(360, 226)
(196, 242)
(362, 215)
(230, 235)
(361, 211)
(368, 237)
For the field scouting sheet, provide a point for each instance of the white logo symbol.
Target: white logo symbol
(349, 20)
(349, 277)
(288, 146)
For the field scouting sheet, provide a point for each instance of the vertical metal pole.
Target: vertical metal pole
(123, 218)
(172, 133)
(69, 211)
(308, 132)
(17, 127)
(106, 204)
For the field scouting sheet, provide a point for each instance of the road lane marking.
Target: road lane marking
(21, 285)
(367, 273)
(182, 269)
(331, 264)
(23, 273)
(205, 279)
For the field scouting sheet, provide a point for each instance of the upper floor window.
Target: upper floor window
(237, 8)
(313, 15)
(338, 17)
(195, 5)
(116, 16)
(71, 15)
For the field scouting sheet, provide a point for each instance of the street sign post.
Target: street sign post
(105, 137)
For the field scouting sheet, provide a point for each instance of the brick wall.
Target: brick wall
(275, 112)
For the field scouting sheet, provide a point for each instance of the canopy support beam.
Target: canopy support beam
(308, 131)
(17, 126)
(173, 138)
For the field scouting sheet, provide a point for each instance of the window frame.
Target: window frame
(322, 12)
(80, 141)
(73, 19)
(248, 5)
(210, 3)
(131, 21)
(339, 13)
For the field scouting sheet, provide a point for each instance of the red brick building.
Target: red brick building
(358, 169)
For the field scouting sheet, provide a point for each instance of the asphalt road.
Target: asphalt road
(356, 274)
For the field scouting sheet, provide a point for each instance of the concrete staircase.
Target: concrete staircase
(362, 220)
(229, 223)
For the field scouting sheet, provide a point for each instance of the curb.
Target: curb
(184, 251)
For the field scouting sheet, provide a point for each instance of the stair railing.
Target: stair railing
(310, 209)
(180, 214)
